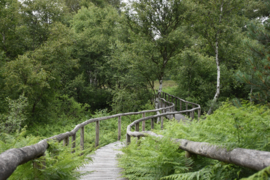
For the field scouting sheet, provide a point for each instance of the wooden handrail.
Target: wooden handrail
(10, 159)
(253, 159)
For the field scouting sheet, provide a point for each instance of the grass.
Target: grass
(168, 86)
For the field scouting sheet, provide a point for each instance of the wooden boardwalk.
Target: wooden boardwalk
(104, 165)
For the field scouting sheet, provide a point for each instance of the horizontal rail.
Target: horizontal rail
(137, 134)
(10, 159)
(253, 159)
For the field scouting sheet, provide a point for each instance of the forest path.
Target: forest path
(179, 117)
(104, 165)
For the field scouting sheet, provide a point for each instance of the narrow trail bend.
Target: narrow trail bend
(105, 164)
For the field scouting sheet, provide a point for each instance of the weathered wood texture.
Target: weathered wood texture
(249, 158)
(97, 134)
(82, 138)
(10, 159)
(104, 165)
(73, 143)
(143, 123)
(119, 128)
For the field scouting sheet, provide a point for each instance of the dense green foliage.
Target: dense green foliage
(108, 55)
(58, 162)
(63, 62)
(240, 125)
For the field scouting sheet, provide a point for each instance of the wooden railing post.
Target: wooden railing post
(97, 134)
(128, 140)
(82, 138)
(180, 106)
(163, 105)
(66, 141)
(73, 143)
(137, 128)
(119, 128)
(190, 155)
(37, 166)
(152, 123)
(143, 123)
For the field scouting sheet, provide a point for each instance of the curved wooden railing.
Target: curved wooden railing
(253, 159)
(10, 159)
(172, 112)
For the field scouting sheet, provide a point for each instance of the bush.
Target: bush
(16, 116)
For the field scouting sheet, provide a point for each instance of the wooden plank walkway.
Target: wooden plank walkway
(179, 117)
(104, 165)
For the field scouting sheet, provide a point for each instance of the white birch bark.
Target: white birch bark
(217, 63)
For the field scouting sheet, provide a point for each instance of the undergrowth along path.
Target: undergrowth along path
(12, 158)
(104, 165)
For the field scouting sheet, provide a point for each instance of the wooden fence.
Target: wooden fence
(253, 159)
(10, 159)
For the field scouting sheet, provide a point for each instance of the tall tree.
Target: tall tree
(255, 72)
(41, 74)
(257, 9)
(94, 28)
(216, 21)
(157, 34)
(9, 21)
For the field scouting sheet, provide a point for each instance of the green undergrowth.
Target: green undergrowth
(244, 126)
(59, 162)
(168, 86)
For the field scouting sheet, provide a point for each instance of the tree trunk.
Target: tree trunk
(218, 65)
(218, 81)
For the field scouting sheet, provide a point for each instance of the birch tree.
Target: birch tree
(157, 34)
(216, 21)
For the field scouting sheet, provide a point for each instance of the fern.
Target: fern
(152, 158)
(244, 126)
(203, 174)
(58, 163)
(261, 175)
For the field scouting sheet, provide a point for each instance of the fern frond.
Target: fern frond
(203, 174)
